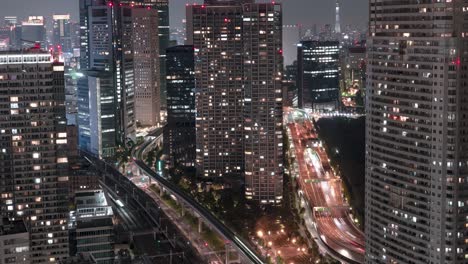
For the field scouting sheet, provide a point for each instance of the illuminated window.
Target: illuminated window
(61, 141)
(62, 160)
(36, 155)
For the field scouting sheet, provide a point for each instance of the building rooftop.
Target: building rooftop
(8, 227)
(92, 204)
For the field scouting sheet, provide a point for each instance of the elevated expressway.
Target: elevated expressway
(246, 253)
(327, 212)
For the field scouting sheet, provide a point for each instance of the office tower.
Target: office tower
(33, 150)
(146, 61)
(85, 6)
(62, 35)
(163, 32)
(179, 132)
(14, 242)
(337, 17)
(33, 32)
(106, 94)
(238, 72)
(263, 104)
(416, 139)
(92, 228)
(318, 73)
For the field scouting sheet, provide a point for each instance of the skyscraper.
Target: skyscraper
(107, 51)
(238, 72)
(179, 132)
(33, 32)
(219, 86)
(62, 35)
(11, 20)
(318, 79)
(263, 104)
(33, 150)
(417, 141)
(163, 33)
(146, 60)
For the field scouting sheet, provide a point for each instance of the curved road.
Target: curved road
(241, 246)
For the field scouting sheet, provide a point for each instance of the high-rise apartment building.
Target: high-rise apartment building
(417, 140)
(263, 101)
(179, 132)
(238, 72)
(146, 60)
(219, 60)
(33, 150)
(62, 35)
(107, 52)
(318, 81)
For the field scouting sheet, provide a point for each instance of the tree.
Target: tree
(150, 158)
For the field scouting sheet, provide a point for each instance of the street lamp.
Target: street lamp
(260, 233)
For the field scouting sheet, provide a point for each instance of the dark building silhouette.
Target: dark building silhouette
(318, 73)
(179, 132)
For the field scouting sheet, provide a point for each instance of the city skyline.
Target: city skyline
(307, 12)
(267, 131)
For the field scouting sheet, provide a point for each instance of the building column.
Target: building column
(200, 225)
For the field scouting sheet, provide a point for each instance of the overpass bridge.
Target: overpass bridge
(233, 243)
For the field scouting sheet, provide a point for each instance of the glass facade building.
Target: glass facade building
(179, 132)
(318, 77)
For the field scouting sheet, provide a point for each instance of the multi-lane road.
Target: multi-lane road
(322, 190)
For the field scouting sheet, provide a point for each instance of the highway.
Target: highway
(322, 189)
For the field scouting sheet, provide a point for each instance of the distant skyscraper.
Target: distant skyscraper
(337, 17)
(179, 132)
(62, 35)
(164, 35)
(11, 20)
(238, 72)
(417, 133)
(162, 6)
(318, 79)
(33, 150)
(109, 83)
(146, 61)
(5, 37)
(33, 32)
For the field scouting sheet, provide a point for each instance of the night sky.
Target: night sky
(306, 12)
